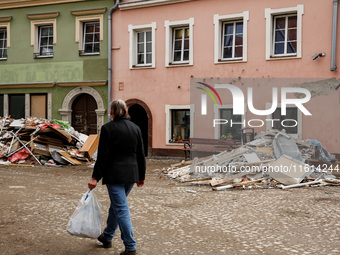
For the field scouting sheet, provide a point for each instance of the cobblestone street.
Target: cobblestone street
(37, 202)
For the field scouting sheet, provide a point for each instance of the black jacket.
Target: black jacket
(120, 153)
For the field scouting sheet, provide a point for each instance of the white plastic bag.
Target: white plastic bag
(86, 221)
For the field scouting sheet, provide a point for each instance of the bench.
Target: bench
(229, 144)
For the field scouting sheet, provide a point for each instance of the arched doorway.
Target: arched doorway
(84, 117)
(141, 115)
(140, 118)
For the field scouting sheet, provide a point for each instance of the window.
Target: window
(232, 42)
(17, 106)
(3, 43)
(283, 32)
(230, 131)
(43, 37)
(1, 105)
(178, 121)
(180, 125)
(142, 46)
(45, 41)
(179, 42)
(231, 37)
(291, 113)
(89, 33)
(91, 41)
(180, 45)
(285, 29)
(291, 122)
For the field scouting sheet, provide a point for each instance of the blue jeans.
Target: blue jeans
(119, 215)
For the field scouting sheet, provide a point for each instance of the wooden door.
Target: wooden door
(84, 117)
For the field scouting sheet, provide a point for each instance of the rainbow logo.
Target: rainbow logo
(209, 93)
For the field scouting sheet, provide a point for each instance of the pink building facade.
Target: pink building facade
(162, 49)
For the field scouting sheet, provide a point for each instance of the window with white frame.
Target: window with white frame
(89, 34)
(177, 123)
(45, 40)
(3, 43)
(43, 37)
(231, 37)
(142, 46)
(283, 32)
(179, 42)
(91, 40)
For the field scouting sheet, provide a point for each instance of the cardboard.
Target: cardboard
(91, 145)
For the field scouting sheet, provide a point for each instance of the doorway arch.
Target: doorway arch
(66, 110)
(141, 115)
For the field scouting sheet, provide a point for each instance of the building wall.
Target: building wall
(161, 85)
(66, 65)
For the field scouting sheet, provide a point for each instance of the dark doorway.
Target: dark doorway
(140, 118)
(84, 117)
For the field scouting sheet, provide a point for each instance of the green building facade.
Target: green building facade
(54, 61)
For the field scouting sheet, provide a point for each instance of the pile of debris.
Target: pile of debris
(45, 142)
(272, 160)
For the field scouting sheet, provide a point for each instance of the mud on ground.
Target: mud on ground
(36, 203)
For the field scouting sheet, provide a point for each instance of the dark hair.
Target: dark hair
(119, 108)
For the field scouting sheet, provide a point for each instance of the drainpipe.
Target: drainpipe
(335, 21)
(109, 28)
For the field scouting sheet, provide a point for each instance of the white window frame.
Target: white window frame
(218, 23)
(133, 45)
(299, 119)
(35, 24)
(269, 16)
(217, 108)
(79, 34)
(7, 27)
(169, 25)
(168, 110)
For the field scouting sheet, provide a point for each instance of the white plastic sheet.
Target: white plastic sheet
(86, 220)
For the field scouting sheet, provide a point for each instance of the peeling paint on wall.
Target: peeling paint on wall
(320, 88)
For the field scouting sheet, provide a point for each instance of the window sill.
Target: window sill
(178, 65)
(175, 143)
(82, 53)
(136, 67)
(280, 57)
(3, 59)
(42, 56)
(231, 61)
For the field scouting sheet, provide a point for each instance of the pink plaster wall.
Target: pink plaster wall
(171, 85)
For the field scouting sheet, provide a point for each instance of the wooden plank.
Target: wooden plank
(248, 182)
(91, 145)
(68, 158)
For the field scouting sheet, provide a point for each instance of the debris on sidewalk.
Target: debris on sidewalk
(273, 159)
(45, 142)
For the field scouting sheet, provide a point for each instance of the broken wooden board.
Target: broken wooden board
(91, 145)
(68, 158)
